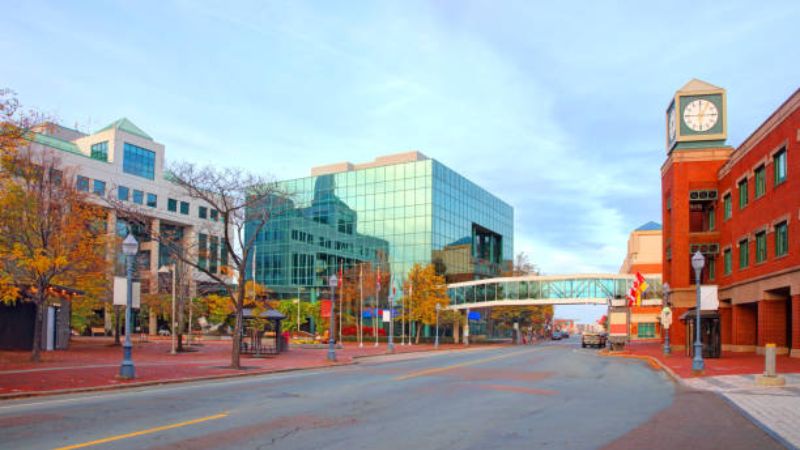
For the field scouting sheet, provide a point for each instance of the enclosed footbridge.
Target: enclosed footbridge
(585, 289)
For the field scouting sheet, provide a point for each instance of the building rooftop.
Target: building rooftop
(127, 126)
(385, 160)
(649, 226)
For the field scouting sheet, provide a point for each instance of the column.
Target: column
(772, 323)
(743, 328)
(795, 306)
(726, 322)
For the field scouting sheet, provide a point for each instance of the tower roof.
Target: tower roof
(127, 126)
(695, 85)
(650, 226)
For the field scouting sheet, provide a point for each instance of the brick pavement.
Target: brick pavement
(774, 409)
(93, 363)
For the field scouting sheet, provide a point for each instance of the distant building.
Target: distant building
(392, 213)
(739, 209)
(644, 256)
(123, 162)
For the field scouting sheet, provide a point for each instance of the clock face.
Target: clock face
(671, 125)
(700, 115)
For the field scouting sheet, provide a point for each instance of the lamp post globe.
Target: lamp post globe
(667, 348)
(333, 281)
(698, 261)
(129, 248)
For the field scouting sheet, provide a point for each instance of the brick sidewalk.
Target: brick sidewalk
(94, 363)
(731, 363)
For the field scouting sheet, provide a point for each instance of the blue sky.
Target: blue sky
(556, 107)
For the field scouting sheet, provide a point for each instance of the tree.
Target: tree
(244, 202)
(427, 288)
(534, 316)
(50, 233)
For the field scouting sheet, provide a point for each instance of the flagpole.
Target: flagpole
(403, 315)
(341, 310)
(377, 302)
(361, 305)
(410, 313)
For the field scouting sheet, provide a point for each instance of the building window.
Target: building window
(780, 166)
(761, 246)
(781, 239)
(744, 254)
(202, 251)
(152, 200)
(214, 215)
(202, 212)
(727, 206)
(138, 197)
(743, 195)
(100, 151)
(727, 261)
(213, 253)
(185, 208)
(761, 181)
(712, 268)
(82, 184)
(646, 330)
(99, 187)
(122, 193)
(712, 219)
(172, 205)
(139, 161)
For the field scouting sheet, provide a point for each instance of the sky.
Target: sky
(555, 107)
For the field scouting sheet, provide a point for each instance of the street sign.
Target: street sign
(666, 317)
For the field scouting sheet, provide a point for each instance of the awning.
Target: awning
(704, 314)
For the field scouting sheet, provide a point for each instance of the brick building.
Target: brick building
(737, 207)
(644, 256)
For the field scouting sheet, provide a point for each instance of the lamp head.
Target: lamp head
(438, 307)
(130, 246)
(698, 261)
(333, 281)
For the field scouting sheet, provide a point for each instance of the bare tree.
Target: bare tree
(242, 201)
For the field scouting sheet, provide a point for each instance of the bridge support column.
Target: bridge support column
(466, 328)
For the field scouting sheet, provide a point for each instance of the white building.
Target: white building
(123, 162)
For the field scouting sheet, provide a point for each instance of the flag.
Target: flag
(639, 277)
(379, 280)
(340, 274)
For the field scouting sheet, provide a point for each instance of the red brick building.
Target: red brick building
(740, 208)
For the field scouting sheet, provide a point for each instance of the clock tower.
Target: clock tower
(697, 117)
(691, 201)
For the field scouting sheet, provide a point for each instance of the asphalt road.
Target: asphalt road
(555, 395)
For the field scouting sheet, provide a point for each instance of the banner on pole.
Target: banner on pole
(387, 316)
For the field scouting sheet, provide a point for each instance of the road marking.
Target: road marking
(422, 373)
(143, 432)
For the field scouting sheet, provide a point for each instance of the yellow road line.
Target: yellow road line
(422, 373)
(143, 432)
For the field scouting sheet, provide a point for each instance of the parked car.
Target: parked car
(593, 339)
(556, 336)
(564, 335)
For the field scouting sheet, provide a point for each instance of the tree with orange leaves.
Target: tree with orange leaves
(50, 235)
(426, 289)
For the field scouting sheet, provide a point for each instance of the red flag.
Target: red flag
(340, 274)
(639, 278)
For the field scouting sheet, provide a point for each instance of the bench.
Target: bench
(98, 330)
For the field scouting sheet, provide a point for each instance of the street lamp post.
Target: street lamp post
(698, 261)
(129, 248)
(390, 346)
(436, 343)
(667, 348)
(332, 282)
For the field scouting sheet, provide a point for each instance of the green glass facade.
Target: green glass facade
(391, 216)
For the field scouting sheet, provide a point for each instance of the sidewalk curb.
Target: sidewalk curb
(114, 387)
(766, 429)
(653, 362)
(355, 360)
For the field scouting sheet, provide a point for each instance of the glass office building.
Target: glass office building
(392, 213)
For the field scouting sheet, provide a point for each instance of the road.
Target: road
(554, 395)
